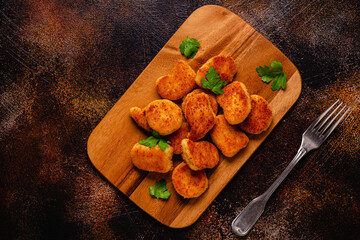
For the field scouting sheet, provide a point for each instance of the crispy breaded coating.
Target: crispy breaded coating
(189, 183)
(199, 155)
(235, 102)
(138, 115)
(199, 115)
(152, 159)
(259, 118)
(176, 137)
(224, 66)
(164, 116)
(178, 83)
(228, 138)
(212, 98)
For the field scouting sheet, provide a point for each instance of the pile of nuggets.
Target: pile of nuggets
(196, 114)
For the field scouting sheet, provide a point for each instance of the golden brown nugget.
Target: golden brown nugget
(259, 118)
(199, 115)
(212, 98)
(224, 66)
(164, 116)
(189, 183)
(228, 138)
(138, 115)
(178, 83)
(178, 136)
(152, 159)
(235, 102)
(199, 155)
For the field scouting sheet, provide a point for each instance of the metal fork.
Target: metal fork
(312, 138)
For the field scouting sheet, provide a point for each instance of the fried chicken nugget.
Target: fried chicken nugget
(176, 137)
(152, 159)
(178, 83)
(199, 155)
(138, 115)
(163, 116)
(235, 102)
(259, 118)
(224, 66)
(228, 138)
(212, 98)
(189, 183)
(199, 115)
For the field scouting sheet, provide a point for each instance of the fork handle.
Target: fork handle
(243, 223)
(301, 152)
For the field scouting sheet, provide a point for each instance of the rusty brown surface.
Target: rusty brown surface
(64, 64)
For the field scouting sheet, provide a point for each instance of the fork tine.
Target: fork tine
(323, 115)
(331, 129)
(328, 124)
(329, 116)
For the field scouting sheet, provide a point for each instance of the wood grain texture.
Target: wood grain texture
(219, 32)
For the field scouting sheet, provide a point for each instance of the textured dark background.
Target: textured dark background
(64, 64)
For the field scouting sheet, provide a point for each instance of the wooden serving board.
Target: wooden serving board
(220, 32)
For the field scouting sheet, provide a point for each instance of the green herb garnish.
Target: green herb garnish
(156, 138)
(213, 82)
(160, 190)
(189, 47)
(275, 73)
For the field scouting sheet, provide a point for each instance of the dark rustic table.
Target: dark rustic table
(64, 64)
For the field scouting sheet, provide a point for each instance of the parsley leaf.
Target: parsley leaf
(274, 73)
(150, 142)
(160, 190)
(279, 82)
(189, 47)
(163, 144)
(213, 82)
(156, 138)
(156, 134)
